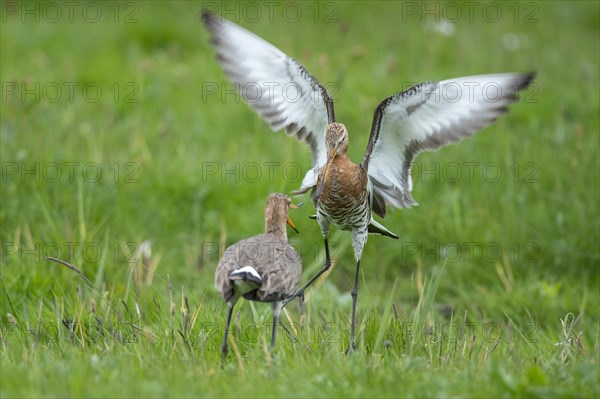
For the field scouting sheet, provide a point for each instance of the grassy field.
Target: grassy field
(125, 151)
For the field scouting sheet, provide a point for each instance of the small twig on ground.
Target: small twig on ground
(72, 267)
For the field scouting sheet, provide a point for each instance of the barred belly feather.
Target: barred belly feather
(344, 202)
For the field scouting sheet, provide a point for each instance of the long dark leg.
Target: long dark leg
(300, 292)
(354, 294)
(224, 346)
(277, 306)
(274, 332)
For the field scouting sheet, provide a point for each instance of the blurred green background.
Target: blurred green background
(118, 128)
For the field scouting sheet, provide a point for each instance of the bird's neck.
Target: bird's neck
(342, 163)
(345, 177)
(277, 229)
(343, 159)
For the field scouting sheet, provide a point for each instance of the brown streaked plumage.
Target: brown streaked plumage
(424, 117)
(262, 268)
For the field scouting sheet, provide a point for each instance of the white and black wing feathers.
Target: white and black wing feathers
(425, 117)
(275, 85)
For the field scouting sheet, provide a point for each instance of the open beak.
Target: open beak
(291, 224)
(294, 206)
(330, 157)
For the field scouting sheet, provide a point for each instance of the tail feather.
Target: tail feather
(374, 228)
(246, 273)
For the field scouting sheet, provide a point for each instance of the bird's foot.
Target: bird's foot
(223, 354)
(351, 348)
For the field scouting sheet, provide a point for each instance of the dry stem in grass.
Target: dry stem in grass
(93, 287)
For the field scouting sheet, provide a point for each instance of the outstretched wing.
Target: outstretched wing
(275, 85)
(425, 117)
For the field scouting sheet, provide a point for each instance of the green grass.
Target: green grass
(511, 310)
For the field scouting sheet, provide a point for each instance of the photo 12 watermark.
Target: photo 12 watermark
(54, 12)
(469, 252)
(263, 92)
(251, 172)
(118, 252)
(69, 172)
(528, 172)
(466, 91)
(69, 92)
(526, 12)
(326, 12)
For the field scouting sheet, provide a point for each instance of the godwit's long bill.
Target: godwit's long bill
(262, 268)
(427, 116)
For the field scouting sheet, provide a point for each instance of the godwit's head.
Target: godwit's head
(336, 140)
(276, 215)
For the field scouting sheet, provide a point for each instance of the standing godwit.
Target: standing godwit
(427, 116)
(262, 268)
